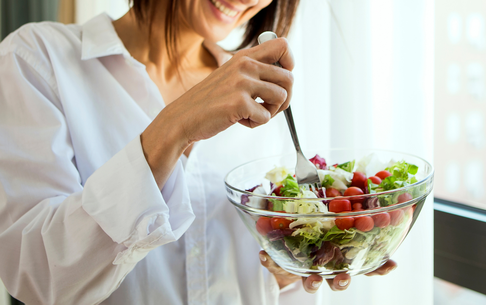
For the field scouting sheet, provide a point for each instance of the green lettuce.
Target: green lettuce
(290, 187)
(328, 181)
(347, 166)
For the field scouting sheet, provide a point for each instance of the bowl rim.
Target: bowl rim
(429, 177)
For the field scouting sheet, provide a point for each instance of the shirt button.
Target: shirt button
(195, 251)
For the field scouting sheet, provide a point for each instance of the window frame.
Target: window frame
(460, 244)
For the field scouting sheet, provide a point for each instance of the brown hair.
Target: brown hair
(276, 17)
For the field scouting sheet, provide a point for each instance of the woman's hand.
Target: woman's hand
(313, 282)
(227, 96)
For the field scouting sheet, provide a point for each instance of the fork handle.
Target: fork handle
(293, 131)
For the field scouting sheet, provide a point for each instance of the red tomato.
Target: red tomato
(381, 220)
(280, 223)
(277, 191)
(339, 205)
(364, 223)
(359, 180)
(383, 174)
(263, 225)
(375, 179)
(345, 223)
(404, 197)
(396, 217)
(357, 207)
(332, 192)
(353, 191)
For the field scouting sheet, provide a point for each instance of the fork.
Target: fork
(305, 171)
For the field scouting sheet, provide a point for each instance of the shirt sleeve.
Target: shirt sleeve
(61, 241)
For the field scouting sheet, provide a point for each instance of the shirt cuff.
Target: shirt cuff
(122, 196)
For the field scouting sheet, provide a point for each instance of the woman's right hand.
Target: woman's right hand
(226, 97)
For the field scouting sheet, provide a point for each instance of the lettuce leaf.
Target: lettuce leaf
(342, 237)
(327, 181)
(403, 174)
(290, 187)
(347, 166)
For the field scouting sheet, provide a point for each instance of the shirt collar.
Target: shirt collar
(99, 39)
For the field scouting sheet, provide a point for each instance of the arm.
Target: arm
(62, 241)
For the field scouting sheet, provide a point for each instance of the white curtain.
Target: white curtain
(87, 9)
(363, 78)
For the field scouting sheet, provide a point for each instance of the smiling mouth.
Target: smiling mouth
(223, 9)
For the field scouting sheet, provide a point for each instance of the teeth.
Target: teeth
(223, 9)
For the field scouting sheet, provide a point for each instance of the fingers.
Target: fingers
(272, 84)
(340, 282)
(268, 263)
(388, 267)
(273, 95)
(270, 52)
(312, 283)
(252, 114)
(282, 78)
(283, 277)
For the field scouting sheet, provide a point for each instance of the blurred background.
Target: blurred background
(406, 75)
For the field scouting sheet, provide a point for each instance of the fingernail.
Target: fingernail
(263, 258)
(391, 269)
(343, 283)
(316, 284)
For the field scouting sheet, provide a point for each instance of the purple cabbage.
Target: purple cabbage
(245, 198)
(319, 162)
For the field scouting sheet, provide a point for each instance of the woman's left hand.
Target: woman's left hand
(313, 282)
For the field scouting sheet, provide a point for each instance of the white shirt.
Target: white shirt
(82, 220)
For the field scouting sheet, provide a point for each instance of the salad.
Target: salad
(336, 243)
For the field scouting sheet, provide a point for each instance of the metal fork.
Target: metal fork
(305, 171)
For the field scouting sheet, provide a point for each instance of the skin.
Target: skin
(209, 99)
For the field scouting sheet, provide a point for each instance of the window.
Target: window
(460, 150)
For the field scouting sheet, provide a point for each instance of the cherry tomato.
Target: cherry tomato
(280, 223)
(263, 225)
(396, 217)
(383, 174)
(332, 192)
(381, 220)
(364, 223)
(353, 191)
(404, 197)
(375, 179)
(339, 205)
(345, 223)
(359, 180)
(357, 207)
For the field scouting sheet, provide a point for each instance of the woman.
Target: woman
(112, 155)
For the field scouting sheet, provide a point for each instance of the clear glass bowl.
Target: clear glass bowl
(343, 251)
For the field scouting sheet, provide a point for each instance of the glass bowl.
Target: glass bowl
(320, 247)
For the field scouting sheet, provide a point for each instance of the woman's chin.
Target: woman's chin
(216, 35)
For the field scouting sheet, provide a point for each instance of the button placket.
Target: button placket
(195, 238)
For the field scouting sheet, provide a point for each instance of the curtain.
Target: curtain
(15, 13)
(87, 9)
(365, 68)
(66, 12)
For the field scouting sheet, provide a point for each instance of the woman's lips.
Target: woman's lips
(223, 10)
